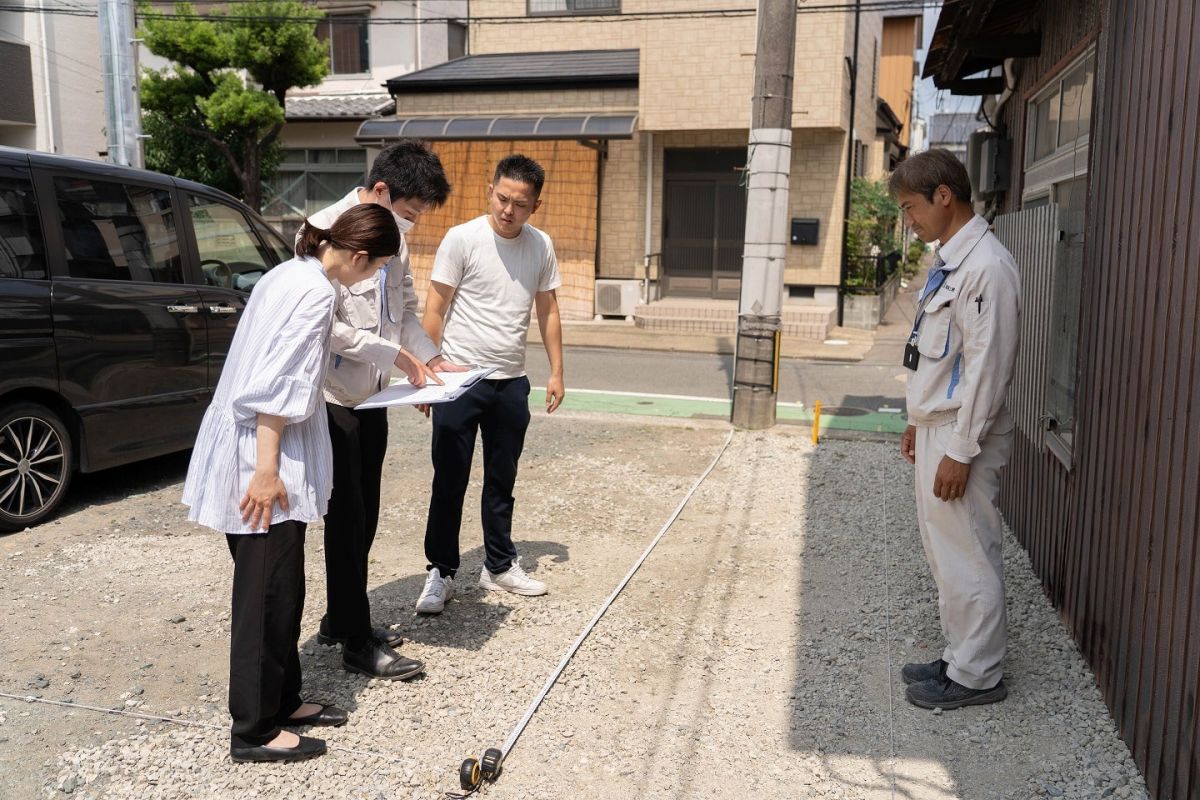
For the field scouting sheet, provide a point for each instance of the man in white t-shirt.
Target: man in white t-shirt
(489, 273)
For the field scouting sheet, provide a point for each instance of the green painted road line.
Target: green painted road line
(714, 408)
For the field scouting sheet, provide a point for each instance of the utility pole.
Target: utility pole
(122, 108)
(764, 254)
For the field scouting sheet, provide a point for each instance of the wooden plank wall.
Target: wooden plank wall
(1115, 541)
(1133, 597)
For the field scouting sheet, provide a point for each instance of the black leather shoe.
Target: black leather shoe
(386, 635)
(377, 660)
(307, 748)
(327, 716)
(947, 694)
(915, 673)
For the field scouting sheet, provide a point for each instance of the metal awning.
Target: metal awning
(461, 128)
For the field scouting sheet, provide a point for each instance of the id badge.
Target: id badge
(912, 356)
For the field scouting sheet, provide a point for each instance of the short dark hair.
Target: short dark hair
(411, 169)
(924, 172)
(521, 168)
(369, 227)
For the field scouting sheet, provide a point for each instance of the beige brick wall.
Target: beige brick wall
(818, 178)
(535, 102)
(816, 191)
(695, 73)
(870, 32)
(623, 210)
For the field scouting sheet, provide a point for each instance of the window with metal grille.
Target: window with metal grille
(550, 7)
(349, 43)
(308, 180)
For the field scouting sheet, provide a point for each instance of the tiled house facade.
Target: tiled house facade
(690, 97)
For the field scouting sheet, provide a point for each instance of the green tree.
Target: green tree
(215, 114)
(873, 219)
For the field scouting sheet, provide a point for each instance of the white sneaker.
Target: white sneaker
(436, 594)
(514, 580)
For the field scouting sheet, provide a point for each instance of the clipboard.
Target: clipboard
(403, 393)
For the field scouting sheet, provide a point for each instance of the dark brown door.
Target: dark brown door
(704, 220)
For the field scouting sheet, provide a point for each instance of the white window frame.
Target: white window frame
(570, 9)
(1068, 160)
(1042, 177)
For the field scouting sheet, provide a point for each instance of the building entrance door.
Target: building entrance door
(704, 221)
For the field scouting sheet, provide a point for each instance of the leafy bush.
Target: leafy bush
(873, 219)
(872, 241)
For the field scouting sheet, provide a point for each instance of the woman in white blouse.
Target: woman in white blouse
(262, 469)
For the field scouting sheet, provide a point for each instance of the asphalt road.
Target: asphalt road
(867, 385)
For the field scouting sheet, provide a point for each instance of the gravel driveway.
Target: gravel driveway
(756, 653)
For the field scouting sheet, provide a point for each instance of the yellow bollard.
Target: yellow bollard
(816, 432)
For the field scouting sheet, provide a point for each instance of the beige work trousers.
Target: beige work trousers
(963, 542)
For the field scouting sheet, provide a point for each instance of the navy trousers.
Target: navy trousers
(499, 410)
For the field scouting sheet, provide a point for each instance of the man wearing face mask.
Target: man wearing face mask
(375, 330)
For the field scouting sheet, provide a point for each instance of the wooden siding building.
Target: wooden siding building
(1091, 175)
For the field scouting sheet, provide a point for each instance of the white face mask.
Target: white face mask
(405, 225)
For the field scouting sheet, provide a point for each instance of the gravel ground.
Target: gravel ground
(756, 654)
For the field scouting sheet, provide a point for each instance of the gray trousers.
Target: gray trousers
(963, 541)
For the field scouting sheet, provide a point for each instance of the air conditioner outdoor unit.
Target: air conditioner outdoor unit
(988, 162)
(617, 298)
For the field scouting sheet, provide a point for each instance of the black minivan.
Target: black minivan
(119, 293)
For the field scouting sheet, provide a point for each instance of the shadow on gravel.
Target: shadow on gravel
(112, 485)
(466, 623)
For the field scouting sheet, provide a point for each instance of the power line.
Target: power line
(828, 8)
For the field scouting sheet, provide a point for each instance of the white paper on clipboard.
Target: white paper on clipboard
(403, 393)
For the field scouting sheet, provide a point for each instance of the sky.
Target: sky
(929, 99)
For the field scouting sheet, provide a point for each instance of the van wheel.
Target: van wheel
(35, 464)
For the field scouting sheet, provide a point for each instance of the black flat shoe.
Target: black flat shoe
(307, 748)
(328, 716)
(375, 659)
(386, 635)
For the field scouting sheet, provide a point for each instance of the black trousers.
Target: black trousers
(268, 599)
(499, 410)
(359, 441)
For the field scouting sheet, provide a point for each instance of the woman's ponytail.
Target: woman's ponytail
(310, 239)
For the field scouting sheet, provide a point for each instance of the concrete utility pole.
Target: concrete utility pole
(756, 365)
(122, 108)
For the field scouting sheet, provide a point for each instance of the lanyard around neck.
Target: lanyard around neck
(931, 288)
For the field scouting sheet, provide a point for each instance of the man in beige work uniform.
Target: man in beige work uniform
(375, 332)
(961, 355)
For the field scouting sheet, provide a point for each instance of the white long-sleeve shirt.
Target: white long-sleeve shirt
(370, 326)
(967, 341)
(276, 365)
